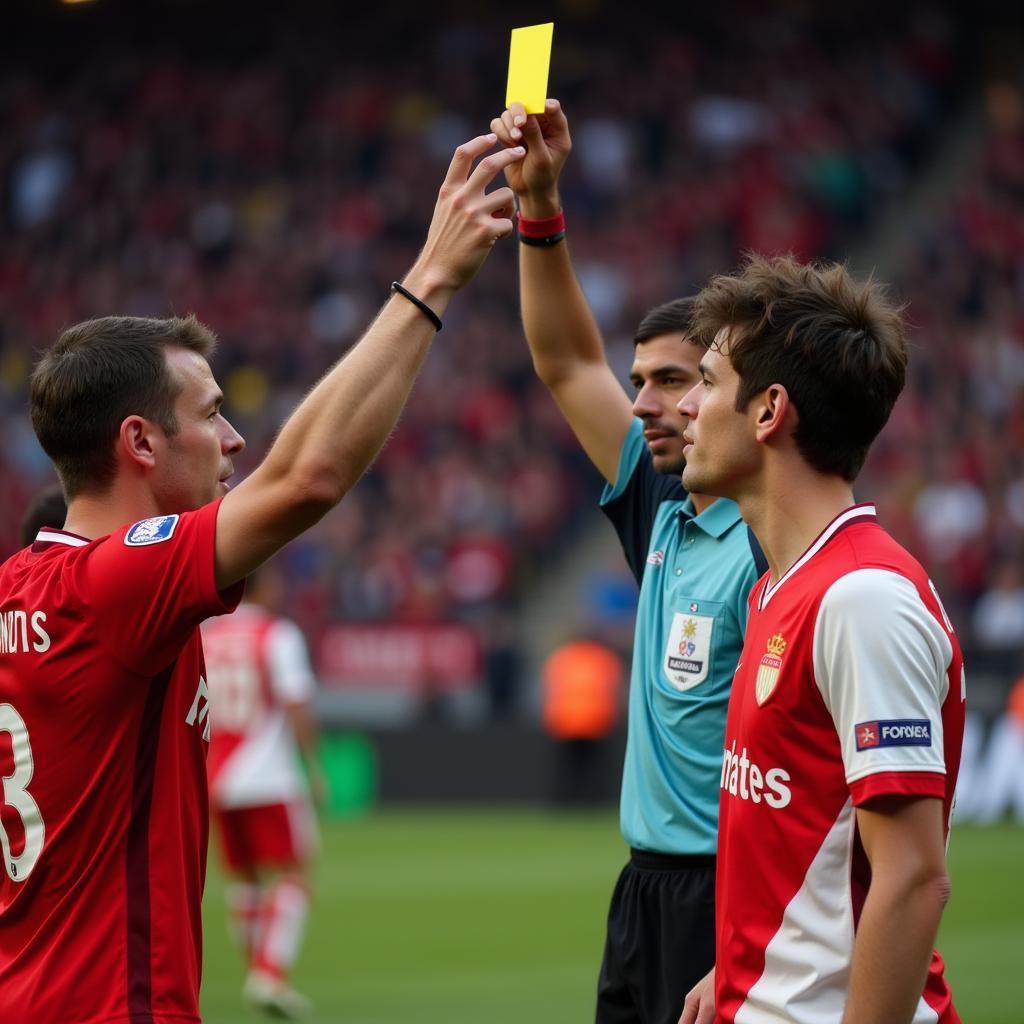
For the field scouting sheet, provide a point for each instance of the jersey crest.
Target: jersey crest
(769, 669)
(151, 531)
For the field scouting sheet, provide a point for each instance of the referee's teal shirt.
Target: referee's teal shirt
(695, 572)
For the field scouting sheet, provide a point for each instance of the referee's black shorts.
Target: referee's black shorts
(661, 938)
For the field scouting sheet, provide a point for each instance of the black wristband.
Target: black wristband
(543, 242)
(419, 303)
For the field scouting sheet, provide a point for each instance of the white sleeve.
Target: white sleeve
(881, 660)
(291, 676)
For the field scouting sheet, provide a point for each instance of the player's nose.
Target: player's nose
(688, 403)
(232, 441)
(645, 404)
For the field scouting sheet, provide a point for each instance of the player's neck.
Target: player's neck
(791, 511)
(92, 515)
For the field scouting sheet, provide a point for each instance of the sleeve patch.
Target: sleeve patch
(894, 732)
(151, 531)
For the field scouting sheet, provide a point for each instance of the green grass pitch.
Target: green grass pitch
(458, 916)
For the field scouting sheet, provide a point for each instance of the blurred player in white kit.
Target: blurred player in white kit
(261, 693)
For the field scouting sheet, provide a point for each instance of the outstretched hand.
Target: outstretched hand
(547, 142)
(467, 220)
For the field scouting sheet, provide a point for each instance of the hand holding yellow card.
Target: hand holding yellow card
(528, 62)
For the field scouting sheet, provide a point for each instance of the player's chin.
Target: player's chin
(692, 480)
(669, 464)
(222, 488)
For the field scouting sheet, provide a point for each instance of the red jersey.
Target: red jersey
(104, 724)
(850, 686)
(257, 664)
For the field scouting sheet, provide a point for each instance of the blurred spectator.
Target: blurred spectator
(582, 683)
(998, 620)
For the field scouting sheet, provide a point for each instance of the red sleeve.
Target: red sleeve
(150, 584)
(898, 784)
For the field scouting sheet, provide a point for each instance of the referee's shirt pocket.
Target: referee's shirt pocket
(688, 660)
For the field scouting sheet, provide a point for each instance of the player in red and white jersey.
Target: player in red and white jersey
(846, 715)
(104, 707)
(261, 690)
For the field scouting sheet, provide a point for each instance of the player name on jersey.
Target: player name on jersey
(22, 632)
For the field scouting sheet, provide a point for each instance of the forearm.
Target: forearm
(334, 435)
(560, 328)
(889, 969)
(337, 431)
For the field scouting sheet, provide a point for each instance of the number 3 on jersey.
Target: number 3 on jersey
(16, 796)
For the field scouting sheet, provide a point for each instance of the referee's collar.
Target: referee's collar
(719, 517)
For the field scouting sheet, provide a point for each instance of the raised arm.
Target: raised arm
(335, 433)
(568, 353)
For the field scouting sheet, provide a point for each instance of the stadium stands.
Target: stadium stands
(272, 174)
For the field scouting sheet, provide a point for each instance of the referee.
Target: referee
(695, 562)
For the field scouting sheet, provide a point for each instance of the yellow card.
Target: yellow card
(528, 63)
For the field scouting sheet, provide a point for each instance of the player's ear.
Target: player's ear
(771, 410)
(136, 441)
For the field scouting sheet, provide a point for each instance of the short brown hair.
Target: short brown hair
(96, 374)
(668, 318)
(836, 344)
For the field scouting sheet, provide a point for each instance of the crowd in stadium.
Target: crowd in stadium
(277, 197)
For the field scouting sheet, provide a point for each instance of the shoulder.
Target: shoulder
(883, 606)
(280, 631)
(145, 532)
(168, 529)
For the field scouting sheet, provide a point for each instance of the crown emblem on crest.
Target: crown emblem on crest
(769, 669)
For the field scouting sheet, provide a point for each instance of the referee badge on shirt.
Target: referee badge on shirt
(688, 652)
(769, 669)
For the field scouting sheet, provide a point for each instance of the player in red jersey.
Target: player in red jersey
(847, 709)
(104, 708)
(261, 690)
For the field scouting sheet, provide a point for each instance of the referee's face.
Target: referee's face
(664, 370)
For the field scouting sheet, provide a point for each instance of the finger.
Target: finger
(508, 119)
(533, 134)
(499, 199)
(506, 135)
(502, 227)
(556, 118)
(706, 1015)
(485, 171)
(518, 112)
(464, 157)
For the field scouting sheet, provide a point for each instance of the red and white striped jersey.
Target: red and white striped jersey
(850, 686)
(256, 665)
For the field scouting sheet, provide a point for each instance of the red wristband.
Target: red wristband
(543, 228)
